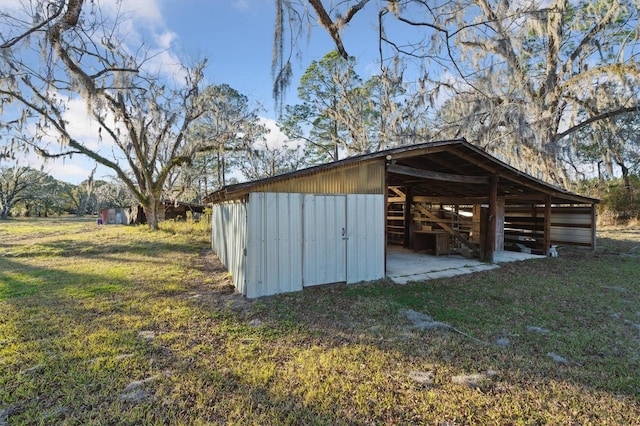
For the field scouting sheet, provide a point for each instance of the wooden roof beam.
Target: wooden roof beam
(446, 177)
(475, 161)
(410, 152)
(396, 190)
(451, 200)
(514, 176)
(449, 165)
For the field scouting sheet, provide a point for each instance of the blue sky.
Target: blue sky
(237, 38)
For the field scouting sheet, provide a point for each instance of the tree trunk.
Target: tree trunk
(151, 211)
(625, 176)
(84, 202)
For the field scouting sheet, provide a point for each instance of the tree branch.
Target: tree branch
(595, 118)
(32, 30)
(334, 27)
(586, 41)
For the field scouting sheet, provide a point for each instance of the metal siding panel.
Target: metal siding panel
(228, 237)
(313, 246)
(284, 230)
(282, 253)
(364, 178)
(294, 258)
(582, 221)
(569, 224)
(325, 228)
(571, 235)
(274, 244)
(310, 264)
(241, 226)
(337, 210)
(324, 247)
(271, 240)
(365, 244)
(289, 260)
(238, 232)
(377, 205)
(255, 238)
(571, 219)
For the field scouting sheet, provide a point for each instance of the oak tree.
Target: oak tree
(518, 78)
(54, 54)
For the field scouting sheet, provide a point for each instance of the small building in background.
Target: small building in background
(179, 210)
(168, 210)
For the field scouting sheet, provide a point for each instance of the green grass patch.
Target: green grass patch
(119, 325)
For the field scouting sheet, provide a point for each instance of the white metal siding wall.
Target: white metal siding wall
(229, 232)
(365, 232)
(324, 257)
(296, 239)
(274, 244)
(572, 225)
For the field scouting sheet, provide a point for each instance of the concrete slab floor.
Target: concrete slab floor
(404, 265)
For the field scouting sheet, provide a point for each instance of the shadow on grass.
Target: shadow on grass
(590, 316)
(335, 354)
(89, 249)
(18, 279)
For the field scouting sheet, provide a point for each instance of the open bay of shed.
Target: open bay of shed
(405, 265)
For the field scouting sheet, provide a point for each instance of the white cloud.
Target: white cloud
(275, 138)
(78, 167)
(245, 5)
(72, 170)
(81, 126)
(168, 65)
(143, 29)
(165, 39)
(69, 171)
(145, 10)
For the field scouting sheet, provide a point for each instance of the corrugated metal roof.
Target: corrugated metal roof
(366, 177)
(446, 170)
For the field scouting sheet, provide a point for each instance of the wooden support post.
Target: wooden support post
(491, 220)
(386, 221)
(408, 200)
(594, 219)
(547, 225)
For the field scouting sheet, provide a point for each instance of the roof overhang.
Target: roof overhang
(447, 172)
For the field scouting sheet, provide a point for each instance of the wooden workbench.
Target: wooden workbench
(435, 241)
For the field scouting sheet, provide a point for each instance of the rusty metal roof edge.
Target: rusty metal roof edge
(236, 191)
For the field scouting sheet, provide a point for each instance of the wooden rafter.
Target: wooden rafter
(451, 200)
(427, 174)
(396, 190)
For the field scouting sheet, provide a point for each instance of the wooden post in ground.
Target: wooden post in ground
(547, 225)
(492, 220)
(594, 219)
(408, 200)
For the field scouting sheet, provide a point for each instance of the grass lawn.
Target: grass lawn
(119, 325)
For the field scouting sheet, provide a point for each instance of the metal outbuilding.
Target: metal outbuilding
(333, 222)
